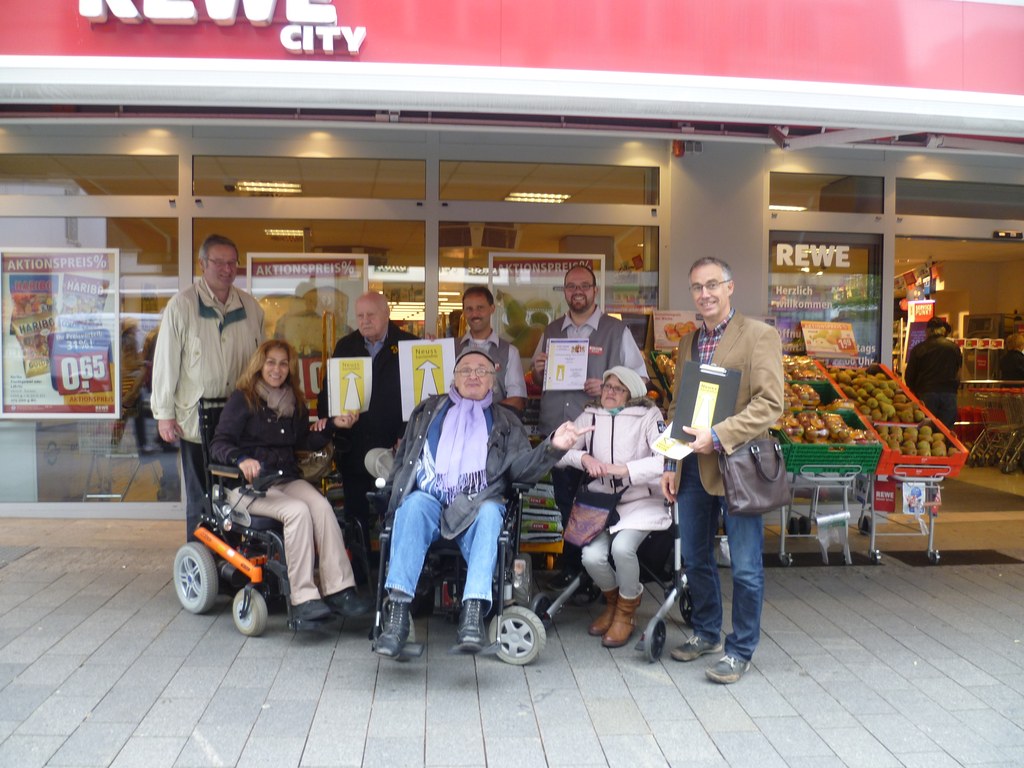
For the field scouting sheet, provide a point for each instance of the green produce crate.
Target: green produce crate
(825, 390)
(865, 457)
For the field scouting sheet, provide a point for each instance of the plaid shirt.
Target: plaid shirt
(707, 342)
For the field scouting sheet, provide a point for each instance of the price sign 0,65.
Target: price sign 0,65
(80, 362)
(88, 373)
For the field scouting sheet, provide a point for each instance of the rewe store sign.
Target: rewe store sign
(312, 24)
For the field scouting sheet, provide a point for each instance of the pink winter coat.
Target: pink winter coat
(626, 438)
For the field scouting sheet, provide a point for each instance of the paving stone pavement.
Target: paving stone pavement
(870, 666)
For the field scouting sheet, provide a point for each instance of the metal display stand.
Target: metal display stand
(931, 476)
(819, 477)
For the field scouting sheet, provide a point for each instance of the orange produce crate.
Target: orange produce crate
(947, 466)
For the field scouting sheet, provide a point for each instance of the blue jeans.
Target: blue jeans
(416, 528)
(942, 405)
(698, 529)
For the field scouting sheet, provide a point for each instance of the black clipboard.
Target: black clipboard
(707, 396)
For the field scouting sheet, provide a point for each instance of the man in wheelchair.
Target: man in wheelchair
(458, 459)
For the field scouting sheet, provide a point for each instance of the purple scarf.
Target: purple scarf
(461, 460)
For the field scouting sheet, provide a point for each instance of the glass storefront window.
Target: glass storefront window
(88, 175)
(825, 193)
(111, 459)
(394, 249)
(549, 182)
(827, 276)
(930, 197)
(631, 264)
(218, 176)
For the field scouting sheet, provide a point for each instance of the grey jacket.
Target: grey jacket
(510, 459)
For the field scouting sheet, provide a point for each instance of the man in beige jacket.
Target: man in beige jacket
(730, 340)
(207, 334)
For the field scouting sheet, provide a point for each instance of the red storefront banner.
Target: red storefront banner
(939, 44)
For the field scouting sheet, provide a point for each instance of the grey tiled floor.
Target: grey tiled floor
(858, 666)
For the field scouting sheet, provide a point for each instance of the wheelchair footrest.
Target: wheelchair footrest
(458, 650)
(308, 625)
(411, 651)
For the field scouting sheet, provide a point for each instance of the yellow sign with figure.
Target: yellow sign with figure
(349, 384)
(426, 368)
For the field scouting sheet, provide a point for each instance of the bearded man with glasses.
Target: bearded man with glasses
(611, 344)
(454, 468)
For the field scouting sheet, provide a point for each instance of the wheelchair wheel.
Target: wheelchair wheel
(195, 577)
(521, 636)
(253, 624)
(540, 605)
(654, 640)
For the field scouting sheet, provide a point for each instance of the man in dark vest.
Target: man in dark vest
(381, 426)
(611, 344)
(509, 383)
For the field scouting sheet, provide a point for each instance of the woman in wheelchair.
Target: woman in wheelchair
(456, 462)
(619, 458)
(262, 424)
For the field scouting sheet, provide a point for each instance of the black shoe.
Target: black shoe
(805, 526)
(472, 635)
(566, 577)
(311, 610)
(348, 603)
(396, 631)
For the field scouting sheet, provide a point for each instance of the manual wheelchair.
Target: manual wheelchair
(517, 635)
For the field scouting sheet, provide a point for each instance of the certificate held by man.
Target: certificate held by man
(566, 366)
(707, 396)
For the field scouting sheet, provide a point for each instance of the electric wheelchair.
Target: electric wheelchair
(517, 635)
(234, 551)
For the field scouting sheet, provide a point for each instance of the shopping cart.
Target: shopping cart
(113, 458)
(1001, 412)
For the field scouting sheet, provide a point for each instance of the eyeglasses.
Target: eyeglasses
(478, 372)
(710, 286)
(578, 287)
(218, 263)
(614, 389)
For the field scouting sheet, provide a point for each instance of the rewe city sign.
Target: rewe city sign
(312, 25)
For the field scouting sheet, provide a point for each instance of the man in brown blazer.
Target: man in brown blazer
(730, 340)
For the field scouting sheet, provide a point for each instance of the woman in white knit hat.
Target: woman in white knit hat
(618, 457)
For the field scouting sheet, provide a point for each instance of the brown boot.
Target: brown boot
(604, 621)
(624, 621)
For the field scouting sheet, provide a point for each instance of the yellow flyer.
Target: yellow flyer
(425, 368)
(349, 384)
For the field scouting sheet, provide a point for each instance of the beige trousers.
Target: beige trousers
(310, 528)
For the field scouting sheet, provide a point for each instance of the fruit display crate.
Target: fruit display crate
(864, 456)
(800, 368)
(923, 466)
(826, 392)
